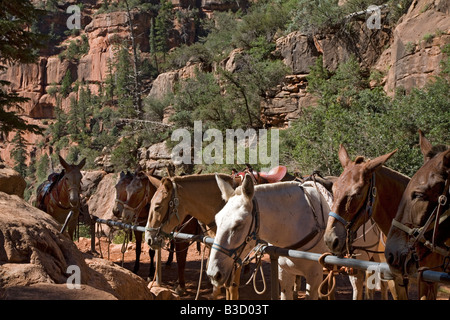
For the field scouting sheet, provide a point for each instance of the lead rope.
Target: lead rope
(329, 279)
(201, 270)
(259, 253)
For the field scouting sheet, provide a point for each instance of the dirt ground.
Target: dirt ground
(192, 273)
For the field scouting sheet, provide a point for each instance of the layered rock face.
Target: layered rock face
(415, 53)
(408, 55)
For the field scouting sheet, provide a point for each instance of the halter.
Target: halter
(252, 235)
(417, 234)
(370, 199)
(63, 185)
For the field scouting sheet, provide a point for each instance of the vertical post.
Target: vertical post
(93, 236)
(158, 267)
(274, 285)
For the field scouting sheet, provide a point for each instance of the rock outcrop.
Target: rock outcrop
(35, 260)
(11, 182)
(415, 53)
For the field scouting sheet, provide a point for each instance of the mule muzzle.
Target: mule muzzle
(153, 239)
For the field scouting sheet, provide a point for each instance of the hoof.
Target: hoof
(180, 291)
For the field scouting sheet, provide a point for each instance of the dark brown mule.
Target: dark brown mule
(127, 206)
(365, 190)
(422, 224)
(61, 194)
(135, 208)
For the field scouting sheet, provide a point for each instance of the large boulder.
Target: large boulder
(35, 260)
(11, 182)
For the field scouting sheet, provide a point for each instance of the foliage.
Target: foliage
(365, 120)
(19, 154)
(17, 45)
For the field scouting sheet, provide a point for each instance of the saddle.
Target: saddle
(46, 187)
(275, 174)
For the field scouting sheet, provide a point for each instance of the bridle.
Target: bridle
(417, 234)
(135, 210)
(252, 234)
(67, 189)
(368, 211)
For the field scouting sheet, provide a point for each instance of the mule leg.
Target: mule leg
(181, 250)
(170, 257)
(151, 273)
(357, 284)
(314, 278)
(72, 225)
(138, 236)
(286, 280)
(233, 291)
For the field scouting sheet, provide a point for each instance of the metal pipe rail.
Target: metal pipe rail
(275, 252)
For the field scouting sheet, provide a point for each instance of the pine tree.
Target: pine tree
(18, 45)
(163, 26)
(66, 84)
(124, 83)
(19, 154)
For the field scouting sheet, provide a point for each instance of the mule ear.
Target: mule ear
(374, 164)
(446, 160)
(248, 188)
(82, 163)
(151, 171)
(425, 146)
(343, 156)
(225, 188)
(167, 184)
(63, 163)
(169, 172)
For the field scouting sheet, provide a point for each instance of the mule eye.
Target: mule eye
(417, 195)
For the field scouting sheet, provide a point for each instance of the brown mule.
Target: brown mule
(365, 190)
(60, 194)
(420, 232)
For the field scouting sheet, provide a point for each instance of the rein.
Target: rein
(417, 234)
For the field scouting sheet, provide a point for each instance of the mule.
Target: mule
(60, 194)
(421, 228)
(176, 198)
(135, 210)
(365, 190)
(286, 214)
(125, 179)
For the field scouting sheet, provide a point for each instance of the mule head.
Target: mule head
(350, 192)
(121, 192)
(419, 201)
(234, 224)
(159, 210)
(137, 197)
(72, 180)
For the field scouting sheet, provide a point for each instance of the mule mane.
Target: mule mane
(436, 149)
(359, 159)
(202, 177)
(276, 186)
